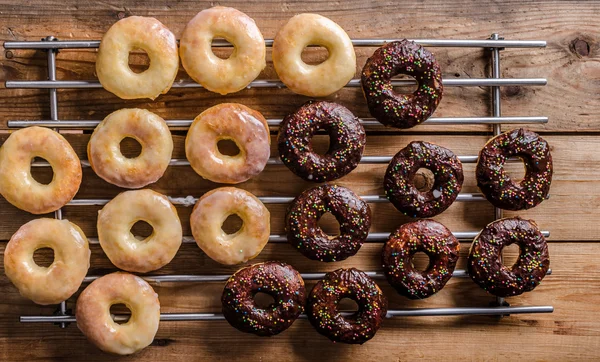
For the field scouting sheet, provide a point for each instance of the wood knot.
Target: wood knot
(8, 54)
(424, 179)
(580, 47)
(162, 342)
(512, 91)
(120, 15)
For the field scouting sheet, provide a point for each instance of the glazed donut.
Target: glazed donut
(324, 315)
(485, 265)
(313, 80)
(399, 183)
(498, 187)
(57, 282)
(112, 63)
(213, 208)
(228, 121)
(347, 140)
(104, 151)
(213, 73)
(276, 279)
(16, 183)
(431, 238)
(402, 110)
(123, 249)
(95, 321)
(302, 223)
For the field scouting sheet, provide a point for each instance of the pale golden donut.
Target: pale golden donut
(16, 183)
(213, 208)
(228, 121)
(213, 73)
(112, 63)
(95, 322)
(63, 277)
(123, 249)
(151, 131)
(313, 80)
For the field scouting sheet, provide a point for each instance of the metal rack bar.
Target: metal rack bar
(185, 123)
(220, 43)
(275, 83)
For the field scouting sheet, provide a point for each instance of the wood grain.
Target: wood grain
(571, 100)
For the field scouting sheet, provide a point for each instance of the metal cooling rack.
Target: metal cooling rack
(495, 43)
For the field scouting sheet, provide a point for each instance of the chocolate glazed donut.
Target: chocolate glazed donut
(402, 110)
(280, 281)
(302, 223)
(486, 268)
(498, 187)
(324, 315)
(346, 141)
(399, 179)
(431, 238)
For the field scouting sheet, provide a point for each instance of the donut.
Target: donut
(123, 249)
(347, 140)
(429, 237)
(302, 223)
(498, 187)
(276, 279)
(402, 110)
(313, 80)
(399, 179)
(213, 208)
(95, 321)
(228, 121)
(324, 314)
(485, 266)
(112, 63)
(57, 282)
(104, 151)
(213, 73)
(16, 183)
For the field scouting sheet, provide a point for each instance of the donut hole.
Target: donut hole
(515, 170)
(232, 224)
(228, 147)
(424, 179)
(43, 175)
(420, 261)
(329, 224)
(120, 313)
(408, 84)
(510, 255)
(130, 147)
(320, 145)
(263, 300)
(139, 61)
(222, 52)
(348, 305)
(141, 230)
(43, 257)
(314, 54)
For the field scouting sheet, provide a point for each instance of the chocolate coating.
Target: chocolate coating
(323, 313)
(399, 186)
(280, 281)
(302, 223)
(346, 141)
(498, 187)
(486, 268)
(429, 237)
(402, 110)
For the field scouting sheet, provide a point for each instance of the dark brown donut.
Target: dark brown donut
(486, 268)
(323, 313)
(280, 281)
(302, 223)
(402, 110)
(399, 186)
(427, 236)
(498, 187)
(346, 141)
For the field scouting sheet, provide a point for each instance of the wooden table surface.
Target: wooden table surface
(571, 100)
